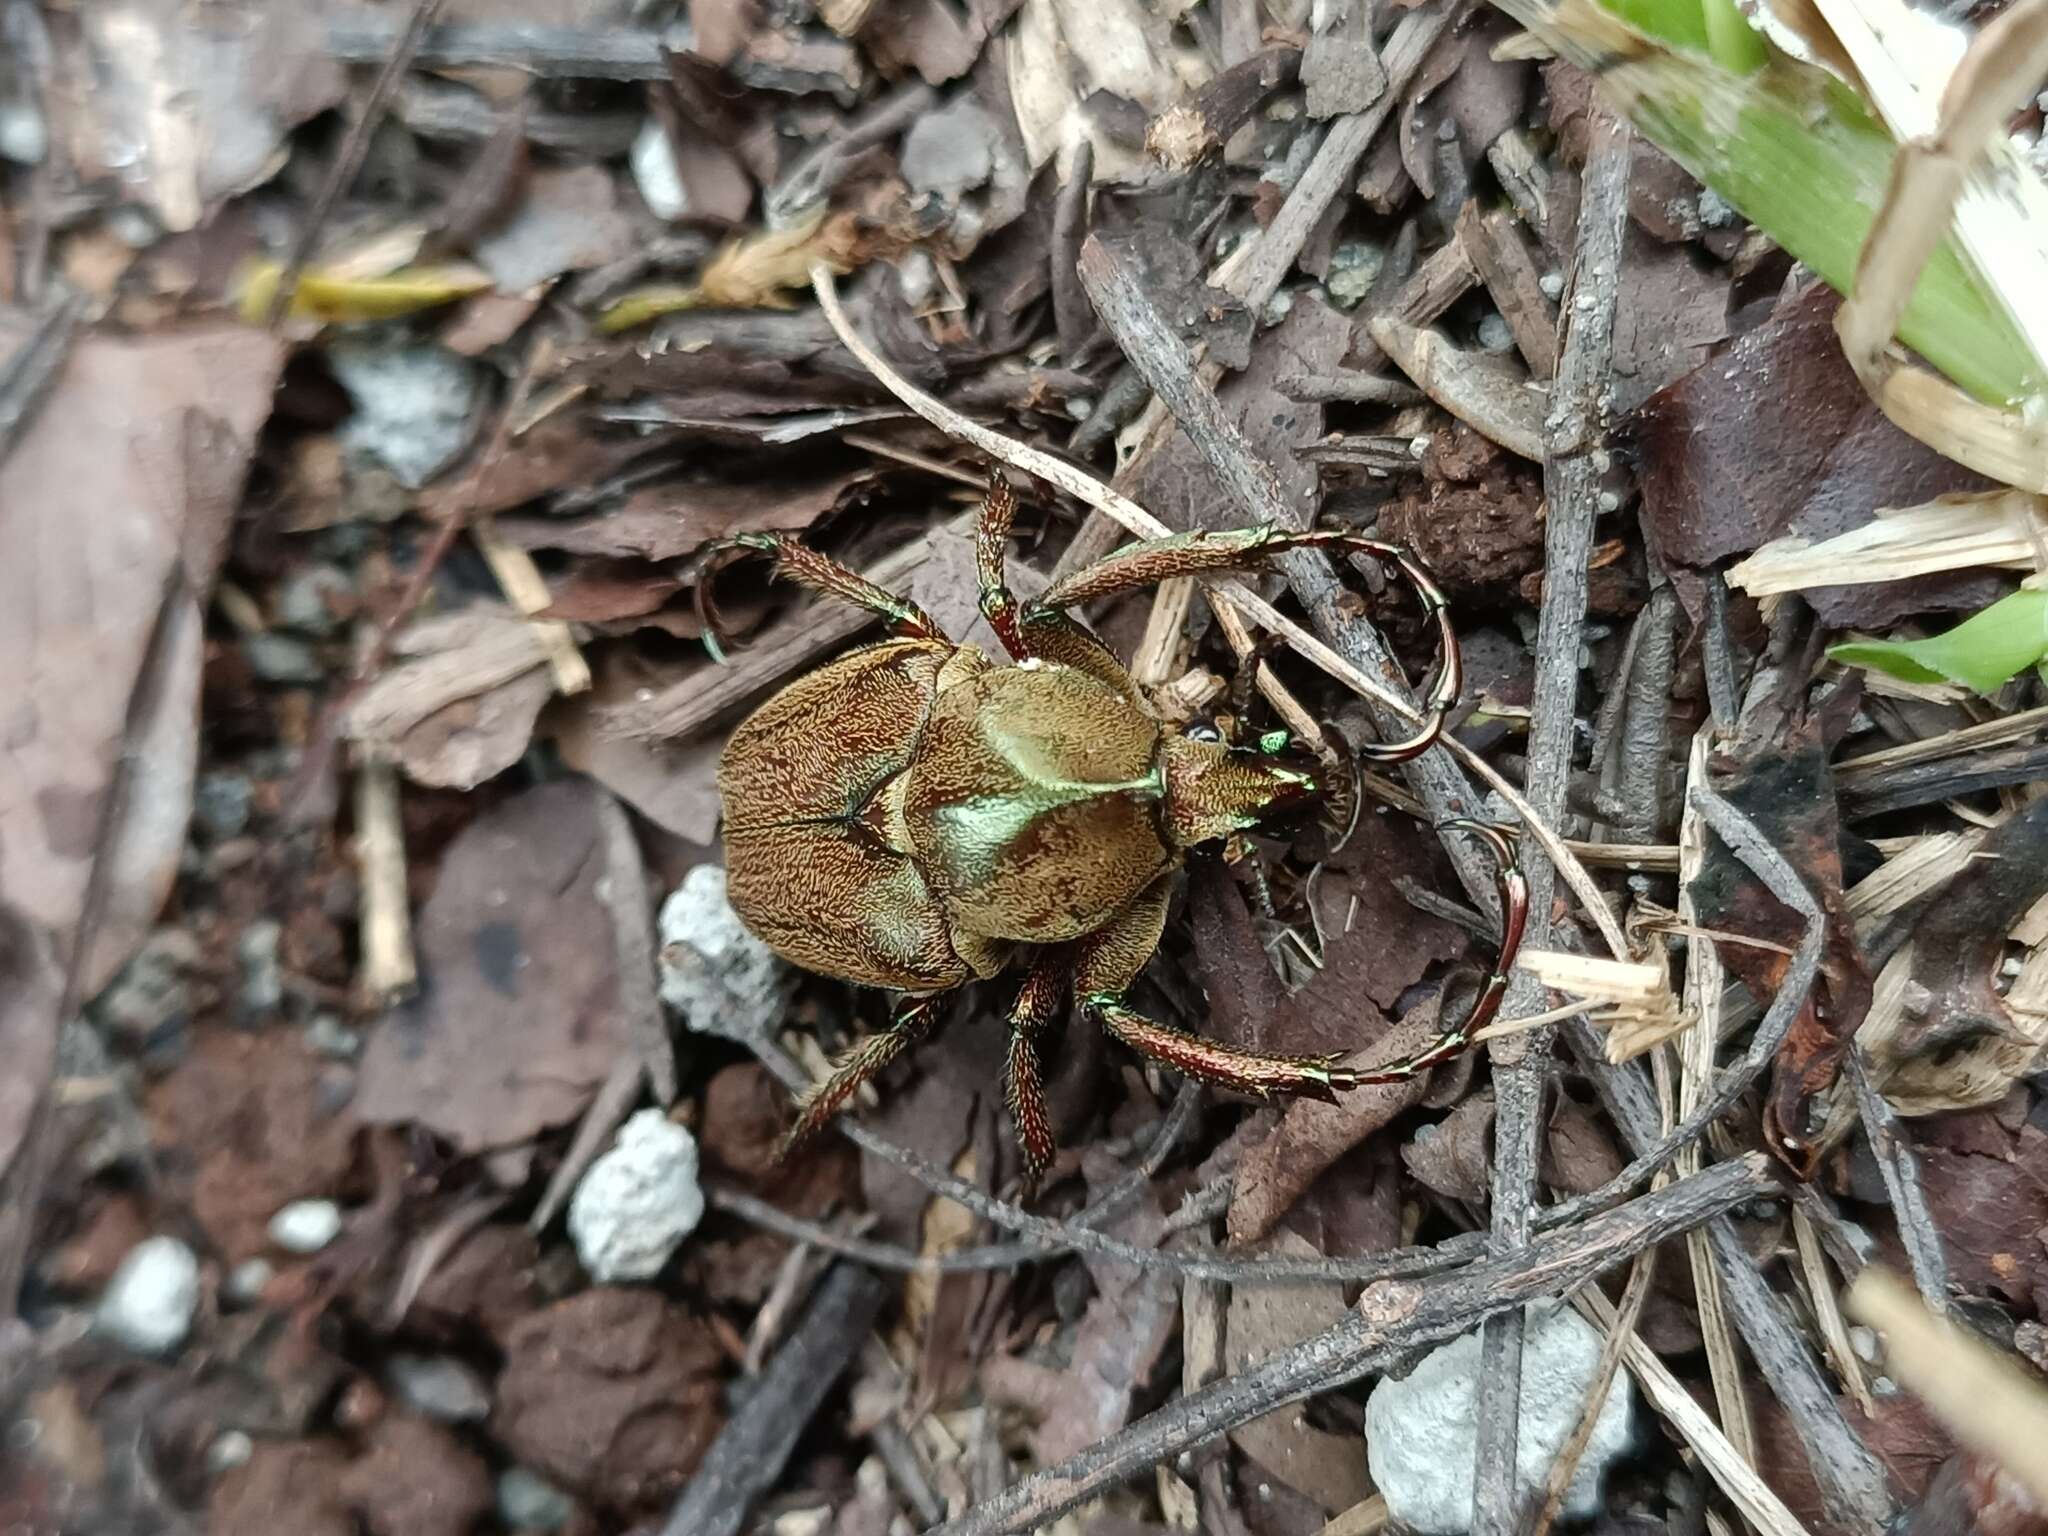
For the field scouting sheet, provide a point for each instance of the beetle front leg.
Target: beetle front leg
(911, 1023)
(1513, 887)
(1037, 1005)
(1109, 962)
(991, 555)
(1150, 561)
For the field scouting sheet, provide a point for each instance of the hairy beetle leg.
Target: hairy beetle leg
(1513, 887)
(797, 562)
(991, 557)
(1149, 561)
(1037, 1005)
(912, 1022)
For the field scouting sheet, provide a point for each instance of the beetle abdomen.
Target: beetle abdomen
(813, 865)
(1033, 803)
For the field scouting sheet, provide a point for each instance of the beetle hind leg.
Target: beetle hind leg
(911, 1024)
(1037, 1005)
(798, 562)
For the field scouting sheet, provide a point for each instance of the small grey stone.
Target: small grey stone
(1552, 284)
(152, 989)
(1864, 1341)
(245, 1282)
(221, 802)
(415, 405)
(1422, 1431)
(1354, 267)
(528, 1502)
(24, 135)
(306, 1226)
(1715, 210)
(439, 1388)
(229, 1451)
(262, 975)
(655, 173)
(950, 151)
(635, 1205)
(276, 658)
(148, 1305)
(1494, 334)
(717, 975)
(303, 602)
(326, 1034)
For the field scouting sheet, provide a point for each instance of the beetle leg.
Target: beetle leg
(991, 554)
(912, 1022)
(1037, 1005)
(1110, 961)
(798, 562)
(1149, 561)
(1513, 886)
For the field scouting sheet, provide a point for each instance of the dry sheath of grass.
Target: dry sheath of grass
(1986, 1400)
(1995, 528)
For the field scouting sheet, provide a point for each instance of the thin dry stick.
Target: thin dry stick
(389, 969)
(1704, 983)
(1391, 1319)
(1573, 433)
(1901, 1170)
(1566, 1465)
(1993, 1405)
(346, 164)
(624, 890)
(1227, 594)
(1827, 1309)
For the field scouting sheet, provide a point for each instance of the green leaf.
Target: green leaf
(1983, 652)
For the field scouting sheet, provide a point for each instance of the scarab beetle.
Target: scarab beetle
(916, 815)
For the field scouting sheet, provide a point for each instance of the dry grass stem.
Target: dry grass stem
(1479, 389)
(1985, 1398)
(527, 590)
(388, 970)
(1950, 533)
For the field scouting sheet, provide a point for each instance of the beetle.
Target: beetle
(916, 815)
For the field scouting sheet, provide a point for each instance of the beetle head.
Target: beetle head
(1213, 789)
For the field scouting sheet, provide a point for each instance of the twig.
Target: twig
(32, 369)
(389, 969)
(624, 890)
(1505, 266)
(519, 578)
(1986, 1398)
(1072, 322)
(1183, 137)
(1756, 852)
(749, 1453)
(1901, 1169)
(1366, 388)
(1391, 1319)
(1566, 1464)
(342, 174)
(607, 1111)
(1827, 1310)
(1571, 482)
(1444, 277)
(816, 173)
(1050, 1237)
(581, 53)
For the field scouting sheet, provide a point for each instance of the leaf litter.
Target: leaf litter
(269, 593)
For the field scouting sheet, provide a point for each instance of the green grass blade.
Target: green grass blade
(1983, 652)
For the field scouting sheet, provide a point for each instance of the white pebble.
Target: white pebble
(718, 976)
(228, 1451)
(638, 1202)
(1552, 284)
(528, 1502)
(148, 1305)
(655, 173)
(246, 1281)
(1421, 1432)
(306, 1226)
(1864, 1341)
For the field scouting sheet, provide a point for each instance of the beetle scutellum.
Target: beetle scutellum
(915, 815)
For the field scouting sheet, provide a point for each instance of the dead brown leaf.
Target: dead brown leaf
(567, 221)
(1775, 436)
(460, 706)
(1991, 1212)
(97, 673)
(674, 785)
(518, 1020)
(1454, 1157)
(1263, 1320)
(670, 521)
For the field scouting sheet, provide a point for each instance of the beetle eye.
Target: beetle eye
(1201, 732)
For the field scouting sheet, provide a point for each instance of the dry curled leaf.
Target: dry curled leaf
(460, 706)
